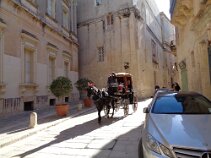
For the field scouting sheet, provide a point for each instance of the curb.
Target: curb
(30, 132)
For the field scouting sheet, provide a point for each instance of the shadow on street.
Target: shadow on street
(73, 132)
(20, 122)
(124, 141)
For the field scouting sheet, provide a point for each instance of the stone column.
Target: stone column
(204, 68)
(71, 15)
(75, 18)
(209, 31)
(1, 57)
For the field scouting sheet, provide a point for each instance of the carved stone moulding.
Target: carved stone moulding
(2, 88)
(182, 12)
(28, 87)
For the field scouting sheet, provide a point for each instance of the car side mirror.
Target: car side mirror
(146, 110)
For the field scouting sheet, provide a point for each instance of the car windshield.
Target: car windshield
(181, 104)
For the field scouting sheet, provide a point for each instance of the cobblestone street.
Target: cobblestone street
(81, 136)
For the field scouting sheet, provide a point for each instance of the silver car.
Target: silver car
(177, 125)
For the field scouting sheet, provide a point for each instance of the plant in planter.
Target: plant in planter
(61, 87)
(82, 85)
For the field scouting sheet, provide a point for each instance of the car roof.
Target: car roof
(163, 90)
(181, 93)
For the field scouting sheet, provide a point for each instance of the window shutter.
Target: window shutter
(209, 60)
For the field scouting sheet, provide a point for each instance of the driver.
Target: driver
(112, 84)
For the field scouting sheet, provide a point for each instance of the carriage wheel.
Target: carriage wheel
(117, 105)
(126, 108)
(135, 104)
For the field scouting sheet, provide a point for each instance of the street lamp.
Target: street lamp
(126, 65)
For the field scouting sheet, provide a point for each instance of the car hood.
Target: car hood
(181, 130)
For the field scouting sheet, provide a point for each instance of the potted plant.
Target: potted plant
(61, 87)
(82, 85)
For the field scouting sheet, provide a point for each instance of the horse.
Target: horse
(101, 100)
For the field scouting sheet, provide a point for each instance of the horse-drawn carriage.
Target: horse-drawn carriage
(122, 91)
(119, 94)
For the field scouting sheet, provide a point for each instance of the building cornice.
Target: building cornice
(44, 23)
(51, 46)
(123, 13)
(154, 36)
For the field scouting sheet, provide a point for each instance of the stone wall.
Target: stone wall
(128, 40)
(193, 38)
(22, 28)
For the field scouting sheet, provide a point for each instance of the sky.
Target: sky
(163, 6)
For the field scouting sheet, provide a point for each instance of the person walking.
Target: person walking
(156, 88)
(176, 87)
(130, 89)
(112, 84)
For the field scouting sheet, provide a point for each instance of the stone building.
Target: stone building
(113, 34)
(168, 39)
(192, 19)
(37, 43)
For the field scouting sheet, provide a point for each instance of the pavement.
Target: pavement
(76, 136)
(16, 127)
(82, 137)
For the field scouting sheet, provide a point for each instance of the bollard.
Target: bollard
(33, 120)
(80, 106)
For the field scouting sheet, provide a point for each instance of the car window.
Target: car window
(182, 104)
(167, 105)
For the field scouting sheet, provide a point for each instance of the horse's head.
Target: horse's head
(89, 92)
(93, 91)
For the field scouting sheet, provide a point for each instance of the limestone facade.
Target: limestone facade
(38, 42)
(125, 32)
(193, 20)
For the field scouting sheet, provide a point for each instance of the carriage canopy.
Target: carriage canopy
(124, 78)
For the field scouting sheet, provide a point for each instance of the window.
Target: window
(28, 61)
(100, 54)
(1, 56)
(98, 2)
(52, 53)
(103, 25)
(28, 66)
(66, 64)
(110, 19)
(154, 52)
(51, 8)
(209, 60)
(155, 78)
(2, 27)
(51, 68)
(192, 59)
(181, 104)
(65, 16)
(67, 58)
